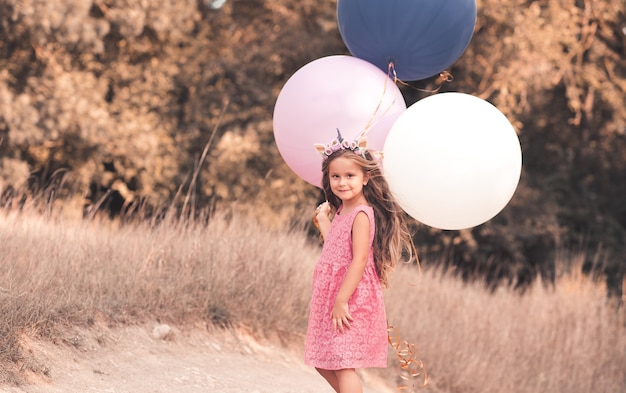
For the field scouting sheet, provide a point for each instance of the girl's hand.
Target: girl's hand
(322, 219)
(322, 212)
(341, 316)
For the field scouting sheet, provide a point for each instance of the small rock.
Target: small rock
(161, 332)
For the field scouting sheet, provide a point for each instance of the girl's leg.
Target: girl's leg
(330, 377)
(349, 381)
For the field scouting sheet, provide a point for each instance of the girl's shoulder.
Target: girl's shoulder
(361, 220)
(367, 209)
(358, 208)
(364, 207)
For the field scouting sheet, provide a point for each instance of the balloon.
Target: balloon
(330, 93)
(452, 160)
(421, 37)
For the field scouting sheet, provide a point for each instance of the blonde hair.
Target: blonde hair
(392, 236)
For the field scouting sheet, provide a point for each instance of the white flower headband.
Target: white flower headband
(358, 146)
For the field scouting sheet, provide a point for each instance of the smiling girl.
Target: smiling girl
(362, 243)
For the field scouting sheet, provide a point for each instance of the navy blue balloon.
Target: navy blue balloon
(420, 37)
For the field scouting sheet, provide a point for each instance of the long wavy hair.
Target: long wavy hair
(392, 236)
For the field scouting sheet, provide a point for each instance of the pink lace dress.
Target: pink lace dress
(365, 343)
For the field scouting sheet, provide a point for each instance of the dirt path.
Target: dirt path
(142, 359)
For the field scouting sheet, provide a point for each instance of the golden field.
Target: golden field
(229, 270)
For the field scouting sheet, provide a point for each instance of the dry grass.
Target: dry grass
(563, 338)
(229, 272)
(234, 271)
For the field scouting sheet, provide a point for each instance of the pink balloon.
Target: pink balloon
(330, 93)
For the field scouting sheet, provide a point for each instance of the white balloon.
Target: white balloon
(452, 160)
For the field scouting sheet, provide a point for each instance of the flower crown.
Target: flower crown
(358, 146)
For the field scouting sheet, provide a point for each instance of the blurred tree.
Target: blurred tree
(123, 98)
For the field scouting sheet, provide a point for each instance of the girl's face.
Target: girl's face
(347, 180)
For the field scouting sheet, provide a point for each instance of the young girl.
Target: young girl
(367, 235)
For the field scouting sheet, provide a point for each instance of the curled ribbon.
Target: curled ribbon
(412, 371)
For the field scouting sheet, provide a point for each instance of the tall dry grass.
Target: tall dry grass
(563, 338)
(228, 272)
(234, 271)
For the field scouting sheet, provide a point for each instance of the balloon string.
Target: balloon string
(410, 366)
(371, 121)
(444, 77)
(391, 69)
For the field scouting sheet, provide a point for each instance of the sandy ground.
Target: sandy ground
(158, 358)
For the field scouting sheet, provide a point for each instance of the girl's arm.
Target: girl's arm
(360, 249)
